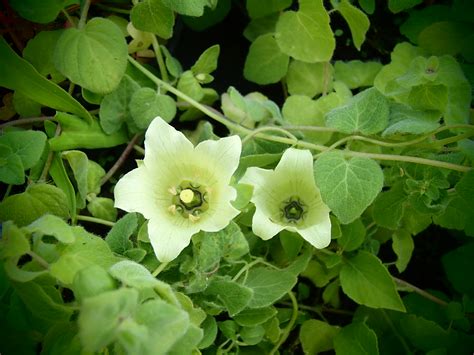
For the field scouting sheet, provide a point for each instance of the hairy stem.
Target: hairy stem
(85, 10)
(419, 291)
(159, 269)
(94, 220)
(24, 121)
(290, 325)
(159, 59)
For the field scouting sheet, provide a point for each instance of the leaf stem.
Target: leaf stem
(290, 325)
(268, 128)
(139, 149)
(159, 59)
(23, 121)
(159, 269)
(38, 259)
(121, 159)
(7, 192)
(49, 160)
(419, 291)
(94, 220)
(85, 10)
(68, 17)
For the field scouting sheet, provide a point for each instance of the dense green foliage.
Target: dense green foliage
(380, 92)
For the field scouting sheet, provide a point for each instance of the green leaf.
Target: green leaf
(422, 18)
(356, 73)
(43, 301)
(188, 342)
(446, 37)
(78, 134)
(189, 8)
(166, 325)
(13, 242)
(19, 75)
(54, 226)
(429, 97)
(306, 35)
(43, 12)
(261, 8)
(40, 199)
(115, 107)
(348, 187)
(207, 61)
(39, 52)
(11, 167)
(28, 145)
(260, 26)
(403, 246)
(317, 336)
(367, 5)
(94, 57)
(103, 208)
(92, 281)
(404, 119)
(79, 164)
(255, 316)
(367, 112)
(400, 5)
(456, 264)
(355, 339)
(365, 280)
(424, 334)
(100, 317)
(25, 106)
(146, 104)
(119, 235)
(189, 85)
(153, 16)
(265, 63)
(234, 296)
(389, 206)
(86, 250)
(353, 235)
(268, 286)
(308, 79)
(358, 21)
(133, 275)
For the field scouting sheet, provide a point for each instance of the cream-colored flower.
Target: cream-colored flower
(179, 188)
(287, 198)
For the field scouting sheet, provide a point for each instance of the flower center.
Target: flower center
(293, 210)
(189, 200)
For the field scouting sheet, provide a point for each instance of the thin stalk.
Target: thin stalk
(139, 149)
(159, 59)
(268, 128)
(7, 192)
(24, 121)
(120, 160)
(68, 17)
(309, 128)
(408, 159)
(49, 160)
(95, 220)
(290, 325)
(419, 291)
(453, 139)
(85, 10)
(38, 259)
(159, 269)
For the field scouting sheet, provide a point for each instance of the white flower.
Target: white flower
(287, 198)
(179, 188)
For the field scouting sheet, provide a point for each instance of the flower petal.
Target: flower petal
(165, 147)
(168, 239)
(319, 234)
(222, 156)
(134, 192)
(263, 227)
(265, 192)
(220, 212)
(296, 168)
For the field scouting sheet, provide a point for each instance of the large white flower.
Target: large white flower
(179, 188)
(287, 198)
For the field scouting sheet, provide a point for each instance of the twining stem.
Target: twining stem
(419, 291)
(85, 10)
(68, 17)
(159, 59)
(302, 144)
(309, 128)
(49, 160)
(94, 220)
(121, 159)
(290, 325)
(159, 269)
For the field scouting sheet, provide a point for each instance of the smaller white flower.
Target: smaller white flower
(179, 188)
(287, 198)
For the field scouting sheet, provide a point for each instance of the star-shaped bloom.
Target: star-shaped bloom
(288, 198)
(179, 188)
